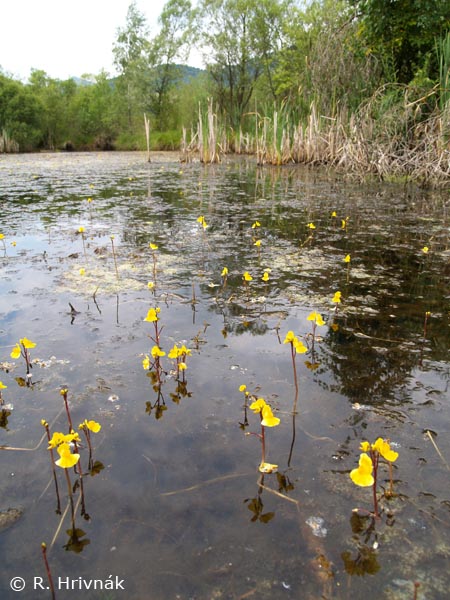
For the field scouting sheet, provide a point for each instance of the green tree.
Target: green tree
(403, 33)
(20, 113)
(130, 57)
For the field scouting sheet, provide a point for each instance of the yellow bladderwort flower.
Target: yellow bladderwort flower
(152, 315)
(26, 343)
(362, 476)
(383, 447)
(299, 346)
(153, 246)
(67, 459)
(201, 220)
(80, 229)
(311, 226)
(365, 446)
(59, 438)
(257, 405)
(224, 272)
(173, 353)
(2, 236)
(146, 363)
(347, 258)
(150, 285)
(247, 277)
(2, 386)
(316, 318)
(425, 249)
(242, 388)
(256, 224)
(268, 419)
(334, 214)
(266, 467)
(337, 297)
(290, 337)
(182, 366)
(257, 243)
(91, 425)
(156, 352)
(15, 352)
(265, 276)
(82, 271)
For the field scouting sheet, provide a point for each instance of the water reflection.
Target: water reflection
(377, 366)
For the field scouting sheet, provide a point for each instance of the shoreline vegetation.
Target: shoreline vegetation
(358, 85)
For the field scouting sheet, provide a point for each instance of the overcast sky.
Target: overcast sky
(65, 38)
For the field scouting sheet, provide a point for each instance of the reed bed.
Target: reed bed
(388, 139)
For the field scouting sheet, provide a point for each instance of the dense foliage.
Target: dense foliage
(261, 56)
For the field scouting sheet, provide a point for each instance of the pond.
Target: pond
(171, 503)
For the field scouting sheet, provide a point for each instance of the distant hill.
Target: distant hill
(186, 73)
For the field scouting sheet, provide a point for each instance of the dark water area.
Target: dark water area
(174, 503)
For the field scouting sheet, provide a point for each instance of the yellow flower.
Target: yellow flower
(425, 249)
(182, 366)
(153, 246)
(224, 272)
(316, 317)
(146, 363)
(152, 315)
(80, 229)
(247, 277)
(290, 337)
(61, 438)
(184, 351)
(362, 476)
(150, 285)
(268, 419)
(14, 244)
(44, 423)
(89, 200)
(256, 224)
(15, 353)
(334, 214)
(257, 243)
(67, 459)
(311, 226)
(343, 223)
(91, 425)
(82, 271)
(265, 276)
(2, 386)
(299, 346)
(201, 220)
(242, 387)
(337, 297)
(26, 343)
(174, 352)
(157, 352)
(347, 258)
(383, 447)
(1, 236)
(258, 405)
(365, 446)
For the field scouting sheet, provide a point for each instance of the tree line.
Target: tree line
(261, 56)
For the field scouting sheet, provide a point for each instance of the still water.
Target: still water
(174, 504)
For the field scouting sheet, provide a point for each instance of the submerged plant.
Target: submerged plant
(366, 474)
(88, 426)
(260, 406)
(22, 349)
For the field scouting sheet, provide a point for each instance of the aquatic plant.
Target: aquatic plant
(347, 260)
(88, 426)
(2, 387)
(22, 349)
(52, 461)
(224, 275)
(114, 256)
(366, 474)
(153, 247)
(81, 232)
(180, 354)
(267, 418)
(47, 569)
(297, 347)
(317, 321)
